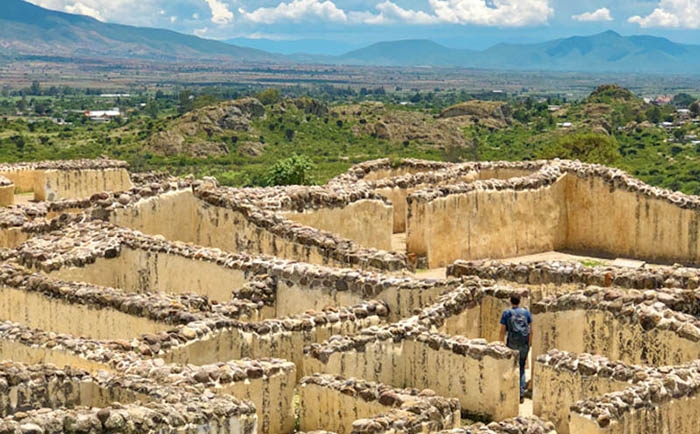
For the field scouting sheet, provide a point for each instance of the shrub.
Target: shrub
(587, 147)
(296, 170)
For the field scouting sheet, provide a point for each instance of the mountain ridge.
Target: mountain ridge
(27, 29)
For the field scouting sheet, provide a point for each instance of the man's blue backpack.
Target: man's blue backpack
(518, 328)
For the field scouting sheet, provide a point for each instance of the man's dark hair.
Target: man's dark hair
(515, 300)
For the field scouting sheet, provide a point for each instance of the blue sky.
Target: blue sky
(457, 23)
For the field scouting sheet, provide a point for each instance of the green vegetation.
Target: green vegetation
(307, 139)
(592, 263)
(295, 170)
(587, 147)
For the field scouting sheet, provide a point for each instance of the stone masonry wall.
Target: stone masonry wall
(484, 377)
(349, 405)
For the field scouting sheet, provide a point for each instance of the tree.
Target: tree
(654, 114)
(587, 147)
(269, 96)
(682, 100)
(695, 108)
(185, 102)
(36, 88)
(289, 134)
(296, 170)
(151, 109)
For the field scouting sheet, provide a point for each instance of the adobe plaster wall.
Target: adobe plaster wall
(367, 222)
(7, 195)
(62, 184)
(32, 355)
(485, 386)
(604, 218)
(480, 321)
(182, 217)
(36, 310)
(607, 334)
(329, 409)
(488, 224)
(677, 416)
(136, 270)
(555, 390)
(273, 396)
(237, 343)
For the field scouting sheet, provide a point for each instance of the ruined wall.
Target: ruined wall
(198, 221)
(482, 223)
(667, 402)
(344, 405)
(36, 310)
(608, 218)
(23, 178)
(170, 215)
(53, 180)
(59, 184)
(7, 192)
(566, 378)
(679, 416)
(369, 223)
(283, 339)
(137, 270)
(634, 337)
(484, 378)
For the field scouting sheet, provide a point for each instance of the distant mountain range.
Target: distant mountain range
(31, 30)
(26, 29)
(604, 52)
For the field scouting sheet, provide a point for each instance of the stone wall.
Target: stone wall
(42, 399)
(369, 223)
(7, 192)
(488, 219)
(350, 406)
(566, 378)
(55, 180)
(610, 212)
(205, 342)
(268, 383)
(647, 333)
(484, 377)
(104, 254)
(666, 403)
(213, 219)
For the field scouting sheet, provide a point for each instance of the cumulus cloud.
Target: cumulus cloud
(672, 13)
(81, 9)
(136, 12)
(506, 13)
(296, 11)
(602, 14)
(390, 12)
(219, 12)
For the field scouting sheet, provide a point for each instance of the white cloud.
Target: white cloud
(672, 13)
(81, 9)
(219, 12)
(201, 32)
(173, 19)
(506, 13)
(602, 14)
(390, 13)
(135, 12)
(296, 11)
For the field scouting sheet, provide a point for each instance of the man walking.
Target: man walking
(517, 322)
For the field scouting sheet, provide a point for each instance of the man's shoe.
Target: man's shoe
(522, 399)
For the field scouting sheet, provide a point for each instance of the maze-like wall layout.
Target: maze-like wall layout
(140, 303)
